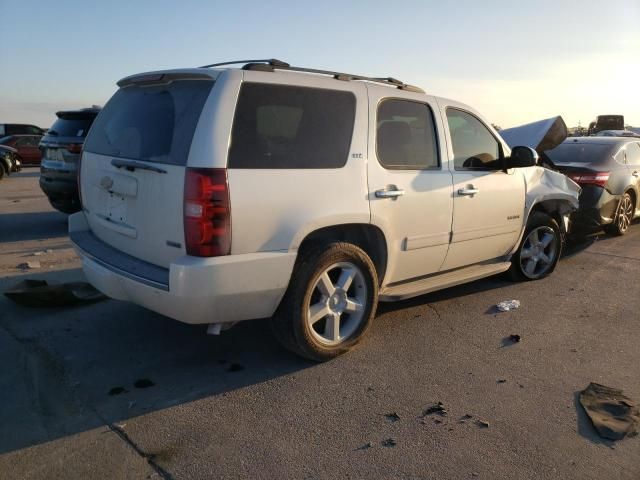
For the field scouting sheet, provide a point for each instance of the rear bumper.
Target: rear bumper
(58, 183)
(597, 208)
(197, 290)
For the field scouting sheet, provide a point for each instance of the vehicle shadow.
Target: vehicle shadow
(32, 173)
(15, 227)
(68, 370)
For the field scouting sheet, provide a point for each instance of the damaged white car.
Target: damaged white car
(215, 195)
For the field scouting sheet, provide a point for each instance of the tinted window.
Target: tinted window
(19, 129)
(71, 127)
(153, 123)
(580, 153)
(474, 147)
(277, 126)
(27, 141)
(406, 136)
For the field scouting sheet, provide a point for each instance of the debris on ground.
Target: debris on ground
(510, 340)
(118, 391)
(613, 414)
(482, 424)
(465, 418)
(389, 442)
(508, 305)
(38, 293)
(37, 254)
(143, 383)
(501, 380)
(235, 367)
(436, 408)
(392, 417)
(365, 446)
(29, 265)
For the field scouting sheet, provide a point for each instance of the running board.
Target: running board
(440, 281)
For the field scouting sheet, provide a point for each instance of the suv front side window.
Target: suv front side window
(474, 147)
(406, 135)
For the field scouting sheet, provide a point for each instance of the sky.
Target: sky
(514, 61)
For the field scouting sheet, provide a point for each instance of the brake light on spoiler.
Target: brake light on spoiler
(207, 212)
(596, 178)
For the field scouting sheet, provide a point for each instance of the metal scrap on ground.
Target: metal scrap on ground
(38, 293)
(613, 414)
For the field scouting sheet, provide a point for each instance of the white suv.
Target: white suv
(214, 195)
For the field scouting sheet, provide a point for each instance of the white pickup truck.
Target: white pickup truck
(215, 194)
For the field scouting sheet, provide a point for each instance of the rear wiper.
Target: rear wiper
(131, 165)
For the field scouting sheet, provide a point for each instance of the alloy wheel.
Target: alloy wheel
(337, 304)
(625, 213)
(539, 251)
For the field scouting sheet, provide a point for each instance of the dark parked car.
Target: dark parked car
(19, 129)
(608, 170)
(61, 147)
(26, 146)
(9, 161)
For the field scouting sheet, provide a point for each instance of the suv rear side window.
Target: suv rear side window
(474, 147)
(406, 135)
(279, 126)
(153, 123)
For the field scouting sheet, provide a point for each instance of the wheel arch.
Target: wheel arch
(368, 237)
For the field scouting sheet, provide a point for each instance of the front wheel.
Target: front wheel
(330, 302)
(540, 249)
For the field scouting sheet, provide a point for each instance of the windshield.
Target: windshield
(580, 153)
(152, 123)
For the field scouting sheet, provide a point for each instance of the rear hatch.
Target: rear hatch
(133, 165)
(62, 143)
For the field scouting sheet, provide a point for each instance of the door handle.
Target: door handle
(392, 193)
(470, 190)
(635, 174)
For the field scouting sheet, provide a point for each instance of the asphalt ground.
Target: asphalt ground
(111, 390)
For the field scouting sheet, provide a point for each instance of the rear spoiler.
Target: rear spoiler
(161, 78)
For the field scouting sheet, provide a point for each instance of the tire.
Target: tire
(624, 216)
(317, 286)
(3, 170)
(540, 249)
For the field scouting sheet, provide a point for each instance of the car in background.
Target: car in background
(19, 129)
(26, 147)
(617, 133)
(61, 147)
(9, 161)
(608, 170)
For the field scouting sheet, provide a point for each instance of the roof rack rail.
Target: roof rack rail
(272, 64)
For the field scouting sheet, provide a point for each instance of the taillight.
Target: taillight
(78, 177)
(207, 213)
(74, 147)
(599, 178)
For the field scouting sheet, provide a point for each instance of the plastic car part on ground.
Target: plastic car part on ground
(38, 293)
(541, 135)
(508, 305)
(613, 415)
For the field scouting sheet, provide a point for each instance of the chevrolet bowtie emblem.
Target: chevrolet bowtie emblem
(106, 183)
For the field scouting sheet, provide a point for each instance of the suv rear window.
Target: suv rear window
(152, 123)
(279, 126)
(71, 126)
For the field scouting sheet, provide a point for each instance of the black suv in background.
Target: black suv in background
(61, 147)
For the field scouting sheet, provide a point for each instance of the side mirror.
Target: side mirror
(522, 157)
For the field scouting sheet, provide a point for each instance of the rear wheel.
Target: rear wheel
(540, 249)
(624, 216)
(2, 170)
(330, 302)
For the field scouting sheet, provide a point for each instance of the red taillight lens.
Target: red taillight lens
(74, 147)
(207, 213)
(598, 178)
